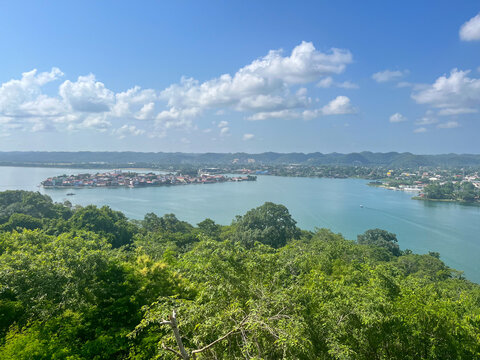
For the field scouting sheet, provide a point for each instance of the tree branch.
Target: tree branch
(172, 350)
(178, 338)
(219, 339)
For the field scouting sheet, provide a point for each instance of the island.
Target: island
(118, 178)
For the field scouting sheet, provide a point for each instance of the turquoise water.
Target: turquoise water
(451, 229)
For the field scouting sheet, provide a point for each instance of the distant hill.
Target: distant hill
(365, 158)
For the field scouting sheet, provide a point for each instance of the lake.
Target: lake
(451, 229)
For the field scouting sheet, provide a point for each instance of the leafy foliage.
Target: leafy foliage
(90, 284)
(269, 224)
(382, 239)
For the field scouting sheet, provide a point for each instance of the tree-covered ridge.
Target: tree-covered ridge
(126, 159)
(87, 283)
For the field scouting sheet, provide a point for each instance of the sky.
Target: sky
(244, 76)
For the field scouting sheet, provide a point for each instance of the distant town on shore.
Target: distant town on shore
(118, 178)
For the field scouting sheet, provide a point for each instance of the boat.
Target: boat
(361, 206)
(70, 194)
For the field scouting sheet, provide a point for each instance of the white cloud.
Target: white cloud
(176, 118)
(264, 86)
(341, 105)
(80, 105)
(328, 82)
(448, 125)
(134, 99)
(470, 31)
(338, 106)
(223, 124)
(87, 95)
(282, 114)
(457, 111)
(126, 130)
(420, 130)
(427, 119)
(247, 137)
(146, 112)
(325, 82)
(269, 87)
(347, 85)
(97, 122)
(40, 126)
(305, 64)
(389, 75)
(397, 117)
(224, 131)
(15, 93)
(454, 93)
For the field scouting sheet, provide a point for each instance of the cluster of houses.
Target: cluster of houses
(132, 179)
(428, 177)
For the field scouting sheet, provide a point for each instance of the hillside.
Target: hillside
(391, 159)
(87, 283)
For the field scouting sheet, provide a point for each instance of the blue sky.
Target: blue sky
(249, 76)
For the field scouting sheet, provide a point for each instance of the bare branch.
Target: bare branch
(172, 350)
(213, 343)
(178, 338)
(220, 339)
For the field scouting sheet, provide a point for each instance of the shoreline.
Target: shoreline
(460, 202)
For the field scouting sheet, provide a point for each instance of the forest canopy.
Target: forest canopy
(89, 283)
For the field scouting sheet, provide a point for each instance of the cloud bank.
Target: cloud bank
(269, 87)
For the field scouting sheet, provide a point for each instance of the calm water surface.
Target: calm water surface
(451, 229)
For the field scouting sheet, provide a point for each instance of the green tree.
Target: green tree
(209, 228)
(467, 192)
(111, 224)
(18, 220)
(380, 238)
(270, 224)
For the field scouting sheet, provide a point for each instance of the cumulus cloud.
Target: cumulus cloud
(146, 112)
(341, 105)
(247, 137)
(87, 95)
(224, 131)
(328, 82)
(263, 86)
(454, 94)
(389, 75)
(79, 105)
(448, 125)
(397, 117)
(420, 130)
(470, 31)
(126, 130)
(15, 94)
(282, 114)
(271, 86)
(338, 106)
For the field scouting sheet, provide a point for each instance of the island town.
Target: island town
(119, 178)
